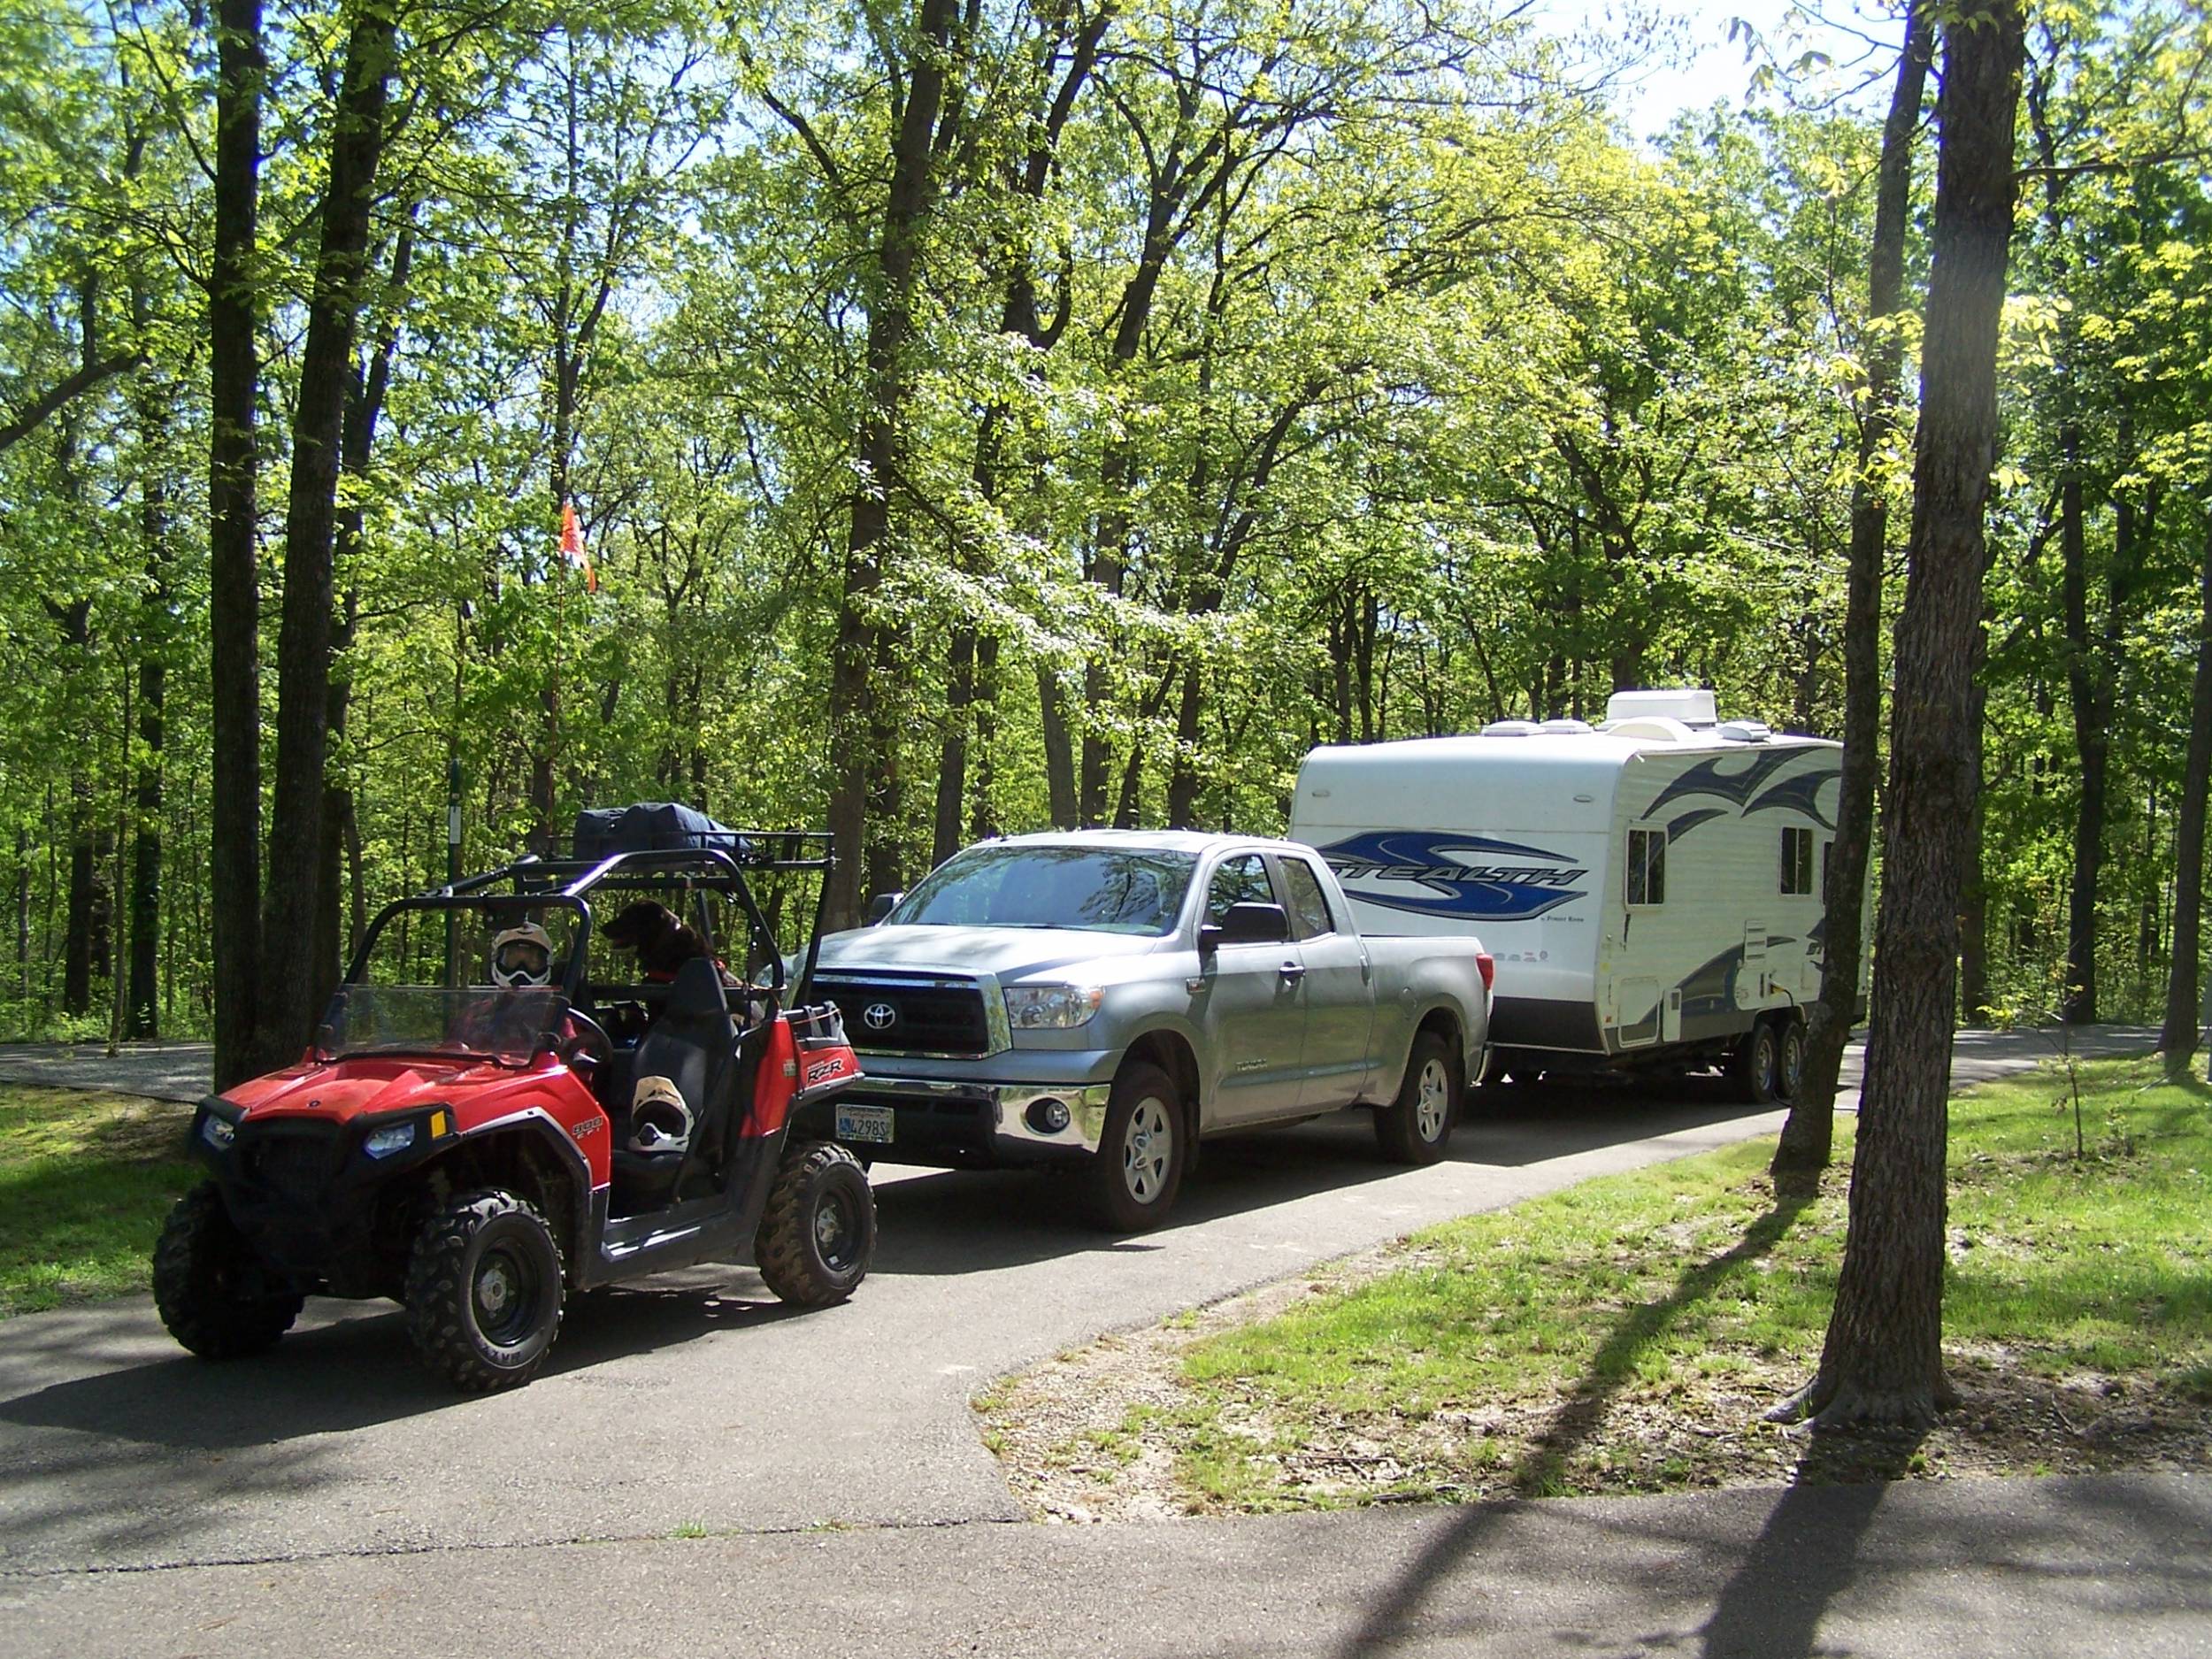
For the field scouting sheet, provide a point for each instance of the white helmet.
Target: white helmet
(522, 957)
(659, 1120)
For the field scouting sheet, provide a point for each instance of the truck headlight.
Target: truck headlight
(217, 1132)
(1050, 1007)
(381, 1143)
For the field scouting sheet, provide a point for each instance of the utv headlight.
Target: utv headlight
(381, 1143)
(217, 1132)
(1051, 1007)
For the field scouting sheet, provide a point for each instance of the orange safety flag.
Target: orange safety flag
(572, 547)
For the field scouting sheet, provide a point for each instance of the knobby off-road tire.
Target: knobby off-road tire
(209, 1287)
(1416, 1126)
(818, 1232)
(1757, 1067)
(484, 1291)
(1143, 1150)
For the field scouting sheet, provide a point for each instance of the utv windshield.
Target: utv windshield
(1097, 889)
(486, 1021)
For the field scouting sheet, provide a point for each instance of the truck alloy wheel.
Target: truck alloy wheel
(1133, 1181)
(484, 1291)
(1417, 1125)
(818, 1232)
(209, 1285)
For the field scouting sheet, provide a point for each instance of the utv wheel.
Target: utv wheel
(1789, 1065)
(1416, 1126)
(1758, 1065)
(818, 1231)
(1130, 1186)
(209, 1285)
(484, 1291)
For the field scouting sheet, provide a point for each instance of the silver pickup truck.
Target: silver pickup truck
(1105, 999)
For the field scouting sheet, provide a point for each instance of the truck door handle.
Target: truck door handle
(1293, 971)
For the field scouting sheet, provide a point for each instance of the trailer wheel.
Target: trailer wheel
(1758, 1065)
(1416, 1126)
(1131, 1184)
(1789, 1066)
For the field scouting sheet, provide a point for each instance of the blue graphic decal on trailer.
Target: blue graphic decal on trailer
(1801, 794)
(1472, 876)
(1729, 785)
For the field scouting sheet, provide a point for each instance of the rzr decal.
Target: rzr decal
(823, 1070)
(1708, 778)
(1512, 883)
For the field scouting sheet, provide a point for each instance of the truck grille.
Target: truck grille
(892, 1015)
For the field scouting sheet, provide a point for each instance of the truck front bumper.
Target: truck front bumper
(961, 1123)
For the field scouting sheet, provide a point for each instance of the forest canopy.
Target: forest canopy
(987, 418)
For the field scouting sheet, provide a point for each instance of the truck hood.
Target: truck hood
(346, 1089)
(1010, 953)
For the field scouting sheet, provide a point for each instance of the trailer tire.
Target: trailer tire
(818, 1235)
(208, 1283)
(1789, 1063)
(1130, 1185)
(1756, 1068)
(1416, 1126)
(484, 1291)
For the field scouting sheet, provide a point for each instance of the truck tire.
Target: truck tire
(484, 1291)
(1416, 1126)
(818, 1232)
(1130, 1186)
(209, 1287)
(1789, 1061)
(1757, 1066)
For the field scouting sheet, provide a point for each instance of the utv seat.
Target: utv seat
(691, 1045)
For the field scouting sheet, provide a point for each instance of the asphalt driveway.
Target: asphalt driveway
(695, 1402)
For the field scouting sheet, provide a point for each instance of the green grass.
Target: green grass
(1563, 1345)
(85, 1182)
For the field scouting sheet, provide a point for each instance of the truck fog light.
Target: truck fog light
(217, 1132)
(381, 1143)
(1048, 1116)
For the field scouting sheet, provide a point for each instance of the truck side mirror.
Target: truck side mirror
(882, 905)
(1246, 924)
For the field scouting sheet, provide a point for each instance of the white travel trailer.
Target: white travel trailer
(1650, 888)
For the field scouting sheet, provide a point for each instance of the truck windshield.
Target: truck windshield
(1098, 890)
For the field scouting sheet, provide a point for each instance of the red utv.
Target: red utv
(477, 1151)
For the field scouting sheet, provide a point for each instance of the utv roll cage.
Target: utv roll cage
(535, 885)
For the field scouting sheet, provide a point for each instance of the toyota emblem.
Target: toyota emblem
(879, 1016)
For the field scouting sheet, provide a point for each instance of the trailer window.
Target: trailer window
(1797, 861)
(1309, 904)
(1647, 866)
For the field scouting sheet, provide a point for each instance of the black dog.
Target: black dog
(658, 935)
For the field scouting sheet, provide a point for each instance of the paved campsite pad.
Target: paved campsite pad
(693, 1402)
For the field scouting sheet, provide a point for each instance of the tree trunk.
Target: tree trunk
(141, 1020)
(983, 822)
(234, 578)
(2177, 1037)
(1808, 1133)
(1974, 901)
(952, 748)
(855, 723)
(1059, 750)
(1883, 1359)
(303, 641)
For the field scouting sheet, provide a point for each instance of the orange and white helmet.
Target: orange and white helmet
(522, 957)
(659, 1120)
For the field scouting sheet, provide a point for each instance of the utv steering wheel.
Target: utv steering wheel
(588, 1038)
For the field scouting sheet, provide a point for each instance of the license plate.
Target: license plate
(864, 1123)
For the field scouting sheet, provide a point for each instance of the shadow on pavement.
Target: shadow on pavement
(359, 1371)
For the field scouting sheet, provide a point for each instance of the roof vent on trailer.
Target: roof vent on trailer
(1510, 728)
(1688, 705)
(1746, 731)
(1566, 728)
